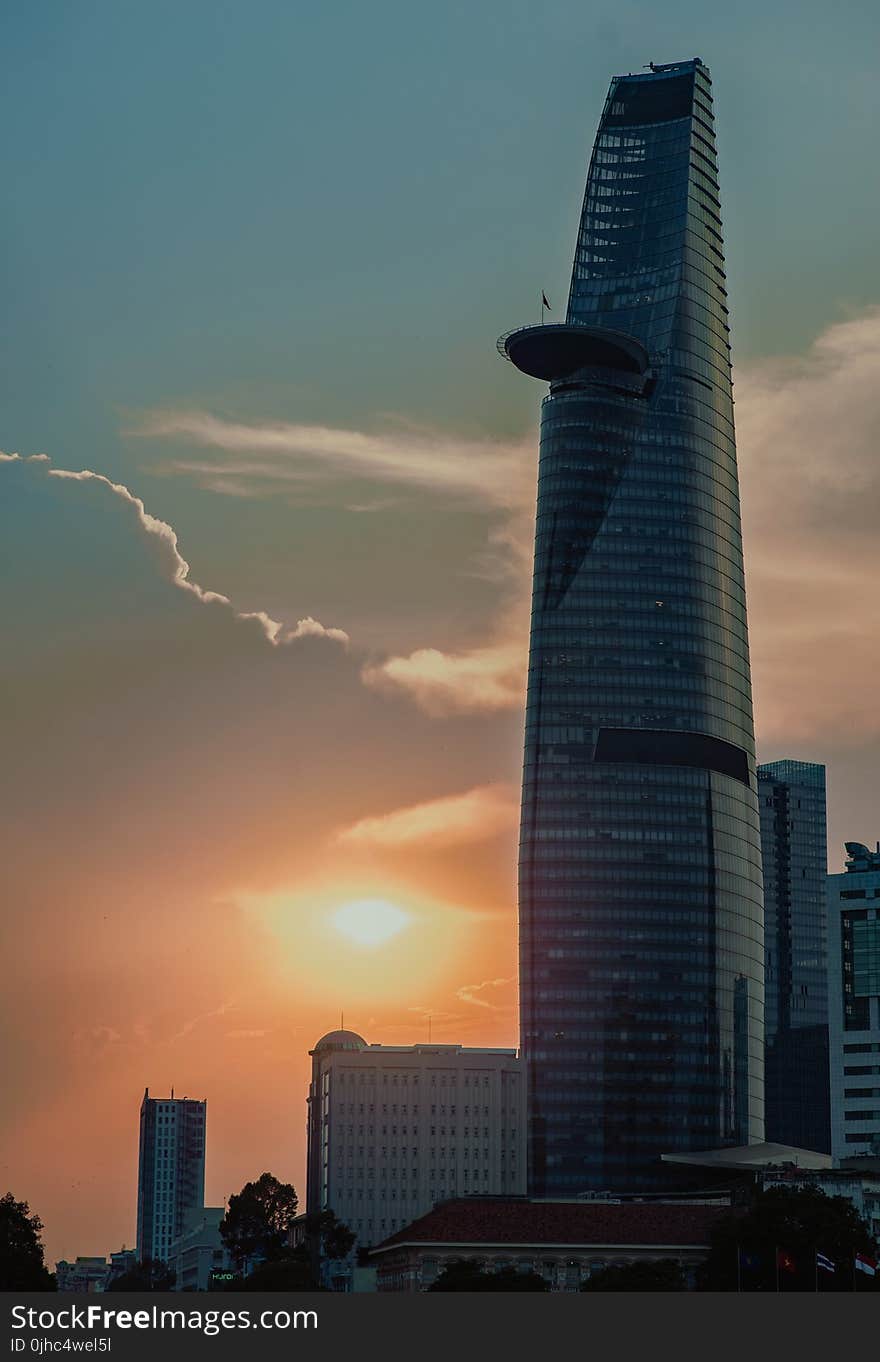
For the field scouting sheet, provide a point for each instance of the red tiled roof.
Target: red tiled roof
(472, 1220)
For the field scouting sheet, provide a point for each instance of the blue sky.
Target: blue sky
(325, 212)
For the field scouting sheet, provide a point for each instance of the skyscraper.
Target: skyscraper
(641, 920)
(171, 1170)
(854, 1003)
(794, 850)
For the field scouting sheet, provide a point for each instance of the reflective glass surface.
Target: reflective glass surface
(791, 796)
(641, 918)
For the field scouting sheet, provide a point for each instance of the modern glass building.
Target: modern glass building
(641, 916)
(794, 846)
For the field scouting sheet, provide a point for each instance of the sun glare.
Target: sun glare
(370, 922)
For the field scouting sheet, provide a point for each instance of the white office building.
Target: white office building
(393, 1129)
(854, 1003)
(171, 1171)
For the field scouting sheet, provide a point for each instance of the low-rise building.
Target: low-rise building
(199, 1251)
(563, 1241)
(392, 1129)
(85, 1274)
(858, 1185)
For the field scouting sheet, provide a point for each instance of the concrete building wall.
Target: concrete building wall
(854, 1004)
(394, 1129)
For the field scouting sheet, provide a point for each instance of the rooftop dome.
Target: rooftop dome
(341, 1040)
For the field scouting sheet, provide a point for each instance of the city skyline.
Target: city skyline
(194, 798)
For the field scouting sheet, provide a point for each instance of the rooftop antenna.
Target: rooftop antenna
(429, 1028)
(342, 1021)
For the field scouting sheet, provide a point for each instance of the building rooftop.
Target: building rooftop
(752, 1157)
(859, 859)
(495, 1220)
(341, 1040)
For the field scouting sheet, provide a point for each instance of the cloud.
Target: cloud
(193, 1022)
(467, 993)
(807, 428)
(484, 473)
(179, 569)
(479, 681)
(454, 820)
(305, 628)
(807, 432)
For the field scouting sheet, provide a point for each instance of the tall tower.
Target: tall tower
(171, 1170)
(794, 847)
(641, 910)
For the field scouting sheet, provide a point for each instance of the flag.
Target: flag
(864, 1264)
(749, 1262)
(544, 302)
(784, 1261)
(825, 1263)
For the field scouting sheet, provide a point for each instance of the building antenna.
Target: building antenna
(429, 1028)
(342, 1021)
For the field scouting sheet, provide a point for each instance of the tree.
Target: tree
(291, 1273)
(332, 1238)
(21, 1249)
(258, 1220)
(150, 1274)
(469, 1274)
(664, 1274)
(797, 1222)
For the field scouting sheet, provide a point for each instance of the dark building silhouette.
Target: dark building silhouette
(794, 844)
(171, 1170)
(641, 923)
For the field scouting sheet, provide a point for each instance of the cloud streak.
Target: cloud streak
(808, 433)
(178, 568)
(808, 430)
(484, 473)
(454, 820)
(468, 993)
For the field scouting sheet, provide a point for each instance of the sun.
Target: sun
(370, 922)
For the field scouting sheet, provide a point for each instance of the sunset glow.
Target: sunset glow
(370, 922)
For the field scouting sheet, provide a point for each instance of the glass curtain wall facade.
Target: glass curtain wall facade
(794, 845)
(641, 913)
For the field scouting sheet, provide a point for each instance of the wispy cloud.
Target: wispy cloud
(485, 473)
(178, 568)
(454, 820)
(468, 993)
(193, 1022)
(808, 433)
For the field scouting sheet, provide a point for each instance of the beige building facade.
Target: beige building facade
(393, 1129)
